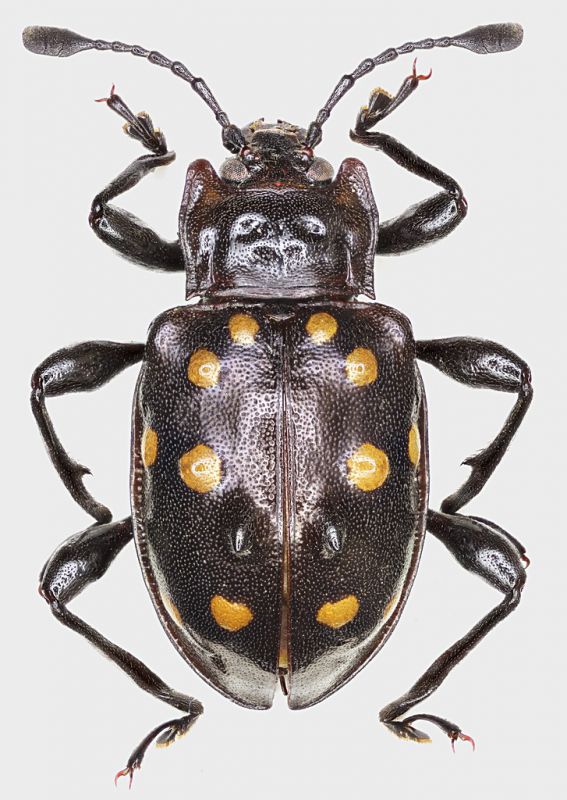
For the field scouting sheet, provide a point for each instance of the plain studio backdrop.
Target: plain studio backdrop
(496, 123)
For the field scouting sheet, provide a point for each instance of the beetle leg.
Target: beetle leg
(138, 126)
(487, 365)
(117, 227)
(78, 562)
(427, 221)
(421, 224)
(80, 368)
(382, 103)
(407, 159)
(513, 541)
(488, 551)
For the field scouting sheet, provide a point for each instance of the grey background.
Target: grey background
(69, 718)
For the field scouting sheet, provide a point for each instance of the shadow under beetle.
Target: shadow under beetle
(279, 477)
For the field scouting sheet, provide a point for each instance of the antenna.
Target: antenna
(495, 38)
(46, 41)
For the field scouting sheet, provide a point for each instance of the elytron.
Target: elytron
(279, 466)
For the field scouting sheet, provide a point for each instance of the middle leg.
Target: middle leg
(80, 368)
(487, 365)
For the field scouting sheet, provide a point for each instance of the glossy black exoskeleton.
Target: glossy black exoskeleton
(279, 460)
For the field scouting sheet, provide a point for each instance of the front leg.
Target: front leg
(421, 224)
(489, 552)
(431, 219)
(120, 229)
(487, 365)
(80, 368)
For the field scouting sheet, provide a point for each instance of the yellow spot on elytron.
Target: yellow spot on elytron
(243, 329)
(368, 467)
(335, 615)
(414, 445)
(149, 447)
(390, 607)
(172, 609)
(321, 327)
(361, 366)
(230, 616)
(200, 468)
(204, 369)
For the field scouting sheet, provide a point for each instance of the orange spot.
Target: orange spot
(200, 468)
(204, 369)
(414, 445)
(149, 447)
(368, 467)
(361, 366)
(243, 329)
(172, 609)
(335, 615)
(321, 327)
(230, 616)
(391, 605)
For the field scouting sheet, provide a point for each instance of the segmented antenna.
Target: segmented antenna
(62, 43)
(495, 38)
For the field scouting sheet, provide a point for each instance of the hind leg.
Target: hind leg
(488, 551)
(78, 562)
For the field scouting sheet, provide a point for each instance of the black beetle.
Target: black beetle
(279, 451)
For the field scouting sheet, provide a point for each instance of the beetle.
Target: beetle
(279, 467)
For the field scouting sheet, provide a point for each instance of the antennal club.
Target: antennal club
(47, 41)
(484, 39)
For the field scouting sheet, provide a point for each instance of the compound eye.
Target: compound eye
(320, 171)
(234, 170)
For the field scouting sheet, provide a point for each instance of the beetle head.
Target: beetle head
(275, 224)
(276, 151)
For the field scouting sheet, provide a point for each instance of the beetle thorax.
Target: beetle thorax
(277, 233)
